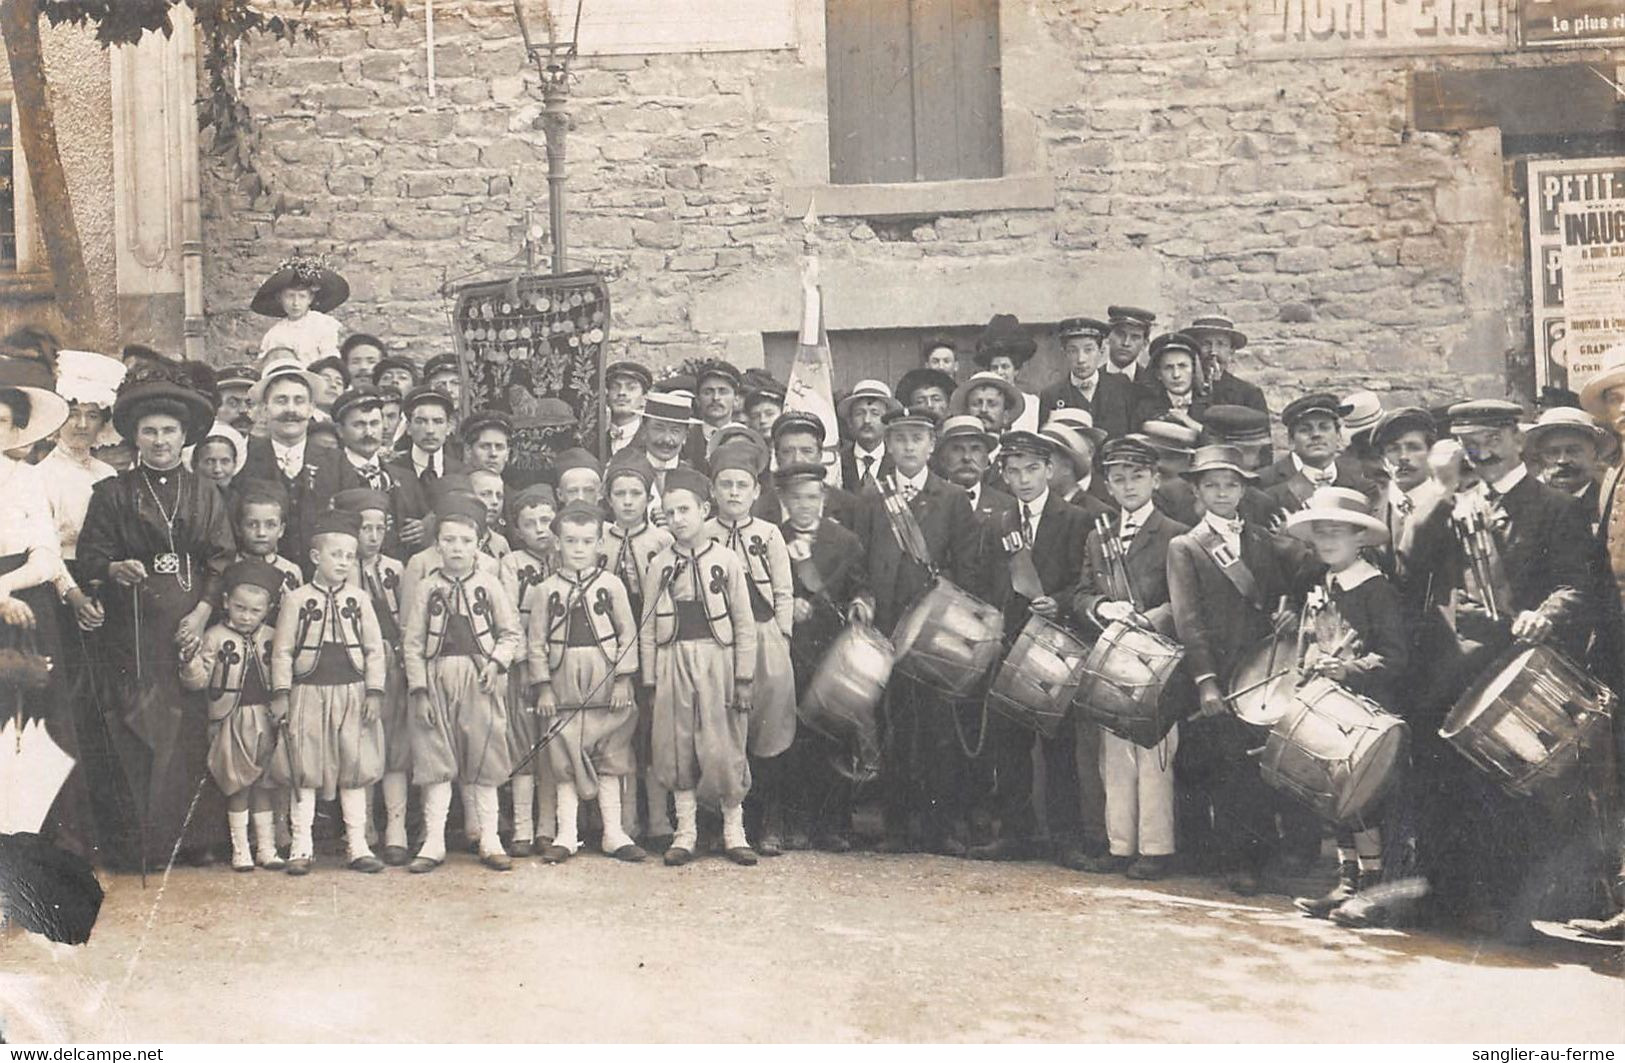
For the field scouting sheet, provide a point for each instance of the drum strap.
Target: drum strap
(1230, 564)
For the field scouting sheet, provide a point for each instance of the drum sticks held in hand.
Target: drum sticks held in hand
(1116, 562)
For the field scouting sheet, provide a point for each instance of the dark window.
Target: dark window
(8, 191)
(913, 90)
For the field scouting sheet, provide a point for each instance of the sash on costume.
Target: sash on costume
(1231, 566)
(905, 527)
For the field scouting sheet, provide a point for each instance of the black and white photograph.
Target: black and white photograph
(813, 522)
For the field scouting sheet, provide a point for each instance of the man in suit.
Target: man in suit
(926, 388)
(1414, 508)
(1046, 536)
(358, 416)
(863, 457)
(1225, 578)
(428, 412)
(1137, 771)
(1543, 542)
(1314, 425)
(626, 384)
(923, 767)
(1573, 450)
(1130, 330)
(1172, 390)
(1218, 340)
(311, 475)
(716, 402)
(821, 801)
(798, 439)
(1109, 398)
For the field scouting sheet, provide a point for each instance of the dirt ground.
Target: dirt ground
(808, 947)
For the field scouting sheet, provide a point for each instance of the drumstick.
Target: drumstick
(1233, 695)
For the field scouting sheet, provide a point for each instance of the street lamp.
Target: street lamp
(539, 19)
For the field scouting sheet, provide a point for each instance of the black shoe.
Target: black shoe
(1107, 864)
(630, 854)
(556, 854)
(1150, 868)
(770, 845)
(832, 843)
(367, 865)
(1073, 857)
(497, 861)
(422, 865)
(299, 866)
(677, 857)
(395, 855)
(658, 843)
(519, 850)
(1348, 884)
(743, 855)
(1002, 849)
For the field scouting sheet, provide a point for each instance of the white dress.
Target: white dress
(67, 483)
(312, 338)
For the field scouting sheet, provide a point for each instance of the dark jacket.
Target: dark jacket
(1214, 622)
(843, 568)
(1057, 555)
(1112, 406)
(311, 493)
(1147, 565)
(944, 515)
(1289, 488)
(411, 499)
(851, 474)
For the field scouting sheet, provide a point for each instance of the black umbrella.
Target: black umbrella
(47, 890)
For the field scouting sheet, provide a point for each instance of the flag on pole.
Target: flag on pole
(811, 387)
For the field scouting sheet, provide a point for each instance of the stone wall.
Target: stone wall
(1292, 195)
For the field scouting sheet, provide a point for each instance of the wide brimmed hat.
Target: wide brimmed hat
(1568, 419)
(1075, 447)
(1217, 325)
(1214, 457)
(148, 386)
(1339, 505)
(1171, 436)
(1003, 335)
(46, 409)
(868, 389)
(1611, 375)
(1014, 400)
(285, 367)
(924, 377)
(677, 407)
(330, 290)
(1079, 420)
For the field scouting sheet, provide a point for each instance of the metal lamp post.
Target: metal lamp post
(553, 57)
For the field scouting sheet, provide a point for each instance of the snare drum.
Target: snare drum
(1267, 679)
(1039, 677)
(1335, 751)
(949, 639)
(1528, 721)
(841, 700)
(1125, 676)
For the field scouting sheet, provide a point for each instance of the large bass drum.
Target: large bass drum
(1130, 683)
(948, 639)
(1039, 677)
(1335, 751)
(1528, 722)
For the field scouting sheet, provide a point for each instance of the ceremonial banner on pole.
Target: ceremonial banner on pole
(811, 387)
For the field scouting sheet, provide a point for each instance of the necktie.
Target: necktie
(428, 475)
(290, 465)
(627, 564)
(1321, 477)
(1127, 532)
(868, 471)
(1179, 402)
(1027, 525)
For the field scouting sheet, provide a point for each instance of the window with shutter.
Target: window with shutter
(913, 90)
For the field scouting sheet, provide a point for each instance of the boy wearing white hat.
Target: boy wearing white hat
(1354, 634)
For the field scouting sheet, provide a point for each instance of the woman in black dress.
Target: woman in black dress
(153, 537)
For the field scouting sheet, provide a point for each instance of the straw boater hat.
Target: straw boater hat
(1568, 419)
(1362, 411)
(965, 425)
(1339, 505)
(329, 289)
(92, 379)
(46, 409)
(1217, 325)
(1610, 376)
(154, 386)
(868, 389)
(1014, 401)
(676, 407)
(279, 369)
(1079, 420)
(1074, 446)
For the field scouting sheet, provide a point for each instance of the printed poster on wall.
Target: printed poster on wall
(1570, 23)
(1593, 285)
(1554, 184)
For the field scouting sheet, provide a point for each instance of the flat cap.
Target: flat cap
(1082, 326)
(441, 363)
(1396, 422)
(423, 394)
(632, 371)
(1480, 414)
(799, 421)
(918, 417)
(480, 420)
(1131, 315)
(1021, 441)
(1315, 402)
(1129, 450)
(799, 472)
(1237, 425)
(360, 397)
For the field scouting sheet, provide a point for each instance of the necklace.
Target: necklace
(172, 562)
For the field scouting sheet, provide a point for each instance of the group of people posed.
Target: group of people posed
(314, 578)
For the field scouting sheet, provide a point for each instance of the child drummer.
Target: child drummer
(1225, 578)
(327, 671)
(1354, 634)
(380, 576)
(1125, 578)
(630, 542)
(522, 571)
(582, 659)
(233, 663)
(830, 572)
(460, 636)
(735, 468)
(1037, 575)
(699, 655)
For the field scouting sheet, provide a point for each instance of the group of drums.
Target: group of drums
(1528, 723)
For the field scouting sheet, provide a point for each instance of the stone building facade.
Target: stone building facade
(1188, 155)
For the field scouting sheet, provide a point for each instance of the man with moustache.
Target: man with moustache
(1573, 450)
(716, 402)
(1109, 398)
(1218, 340)
(798, 439)
(428, 412)
(311, 475)
(864, 459)
(236, 408)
